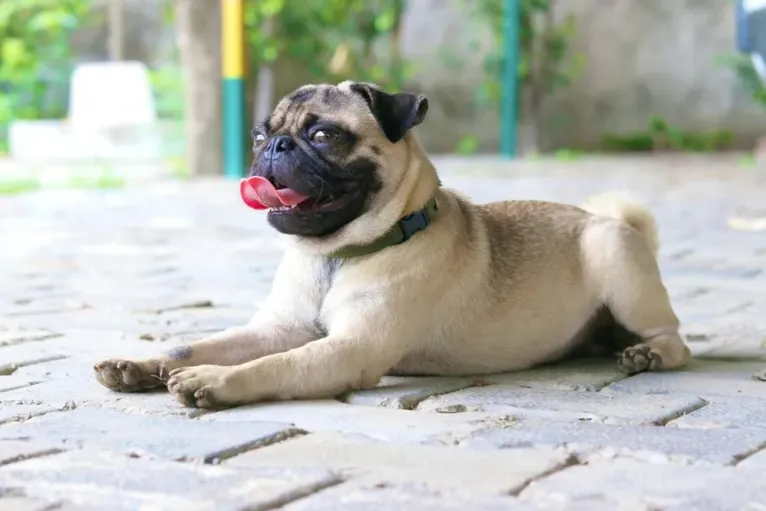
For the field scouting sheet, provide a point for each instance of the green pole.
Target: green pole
(233, 88)
(510, 79)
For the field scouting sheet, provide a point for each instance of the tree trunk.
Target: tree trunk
(116, 29)
(198, 29)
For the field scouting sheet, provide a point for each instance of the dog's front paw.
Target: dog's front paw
(205, 386)
(640, 358)
(126, 376)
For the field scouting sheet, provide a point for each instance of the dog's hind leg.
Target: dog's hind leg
(620, 261)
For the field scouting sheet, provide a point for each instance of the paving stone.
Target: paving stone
(14, 500)
(87, 393)
(720, 446)
(379, 423)
(17, 336)
(565, 405)
(727, 412)
(731, 338)
(410, 497)
(701, 378)
(403, 497)
(163, 437)
(12, 451)
(15, 412)
(70, 383)
(104, 480)
(405, 392)
(14, 381)
(147, 248)
(443, 468)
(19, 355)
(581, 374)
(663, 486)
(756, 461)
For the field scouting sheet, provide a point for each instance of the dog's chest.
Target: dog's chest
(325, 278)
(345, 295)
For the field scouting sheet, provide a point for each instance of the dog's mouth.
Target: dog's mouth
(268, 194)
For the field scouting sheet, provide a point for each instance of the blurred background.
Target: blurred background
(595, 76)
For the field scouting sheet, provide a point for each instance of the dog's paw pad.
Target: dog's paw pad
(124, 376)
(639, 358)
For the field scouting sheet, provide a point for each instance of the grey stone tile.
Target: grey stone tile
(403, 497)
(104, 480)
(720, 446)
(19, 355)
(405, 392)
(662, 486)
(732, 337)
(378, 423)
(15, 381)
(16, 412)
(12, 451)
(160, 437)
(581, 375)
(725, 412)
(705, 379)
(12, 336)
(14, 500)
(141, 249)
(442, 468)
(755, 461)
(565, 405)
(70, 383)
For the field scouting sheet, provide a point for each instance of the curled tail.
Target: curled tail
(621, 207)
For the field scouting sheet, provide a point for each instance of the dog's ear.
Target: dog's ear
(396, 113)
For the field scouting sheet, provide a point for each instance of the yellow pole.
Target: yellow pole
(232, 32)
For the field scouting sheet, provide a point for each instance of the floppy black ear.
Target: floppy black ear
(396, 113)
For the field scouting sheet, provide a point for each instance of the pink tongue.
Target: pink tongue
(259, 193)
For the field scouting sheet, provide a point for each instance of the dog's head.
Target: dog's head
(329, 155)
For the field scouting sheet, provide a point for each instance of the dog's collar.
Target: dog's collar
(403, 230)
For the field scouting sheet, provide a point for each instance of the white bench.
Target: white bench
(111, 117)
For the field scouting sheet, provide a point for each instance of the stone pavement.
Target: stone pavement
(86, 275)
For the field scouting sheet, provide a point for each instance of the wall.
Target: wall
(643, 58)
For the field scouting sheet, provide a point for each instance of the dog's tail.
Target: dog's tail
(621, 207)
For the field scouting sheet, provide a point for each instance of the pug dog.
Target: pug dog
(387, 272)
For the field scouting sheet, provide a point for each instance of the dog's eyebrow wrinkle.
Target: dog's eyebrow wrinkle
(302, 94)
(260, 127)
(333, 97)
(276, 121)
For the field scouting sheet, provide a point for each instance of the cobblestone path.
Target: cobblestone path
(86, 275)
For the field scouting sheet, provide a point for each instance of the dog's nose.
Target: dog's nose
(282, 144)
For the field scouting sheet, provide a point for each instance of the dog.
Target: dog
(387, 272)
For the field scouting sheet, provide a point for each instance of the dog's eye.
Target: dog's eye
(259, 139)
(323, 136)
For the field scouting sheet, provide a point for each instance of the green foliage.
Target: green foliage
(335, 39)
(167, 86)
(743, 66)
(467, 145)
(35, 51)
(660, 136)
(17, 186)
(35, 58)
(546, 62)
